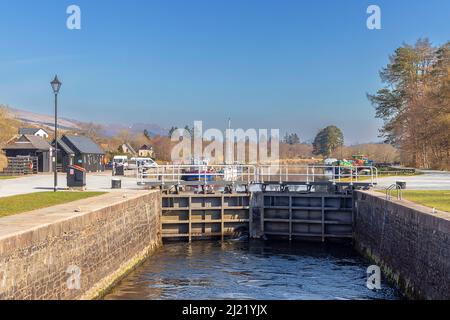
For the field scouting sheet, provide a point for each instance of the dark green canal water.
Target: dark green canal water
(252, 270)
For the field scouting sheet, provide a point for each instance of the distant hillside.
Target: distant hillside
(28, 117)
(153, 129)
(36, 119)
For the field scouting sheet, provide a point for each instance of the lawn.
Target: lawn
(381, 174)
(439, 199)
(28, 202)
(6, 177)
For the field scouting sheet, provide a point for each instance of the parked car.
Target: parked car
(141, 163)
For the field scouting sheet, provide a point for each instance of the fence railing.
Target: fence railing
(317, 173)
(177, 174)
(180, 174)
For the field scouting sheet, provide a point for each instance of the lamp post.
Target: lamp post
(56, 85)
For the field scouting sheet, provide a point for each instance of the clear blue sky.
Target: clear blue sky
(294, 65)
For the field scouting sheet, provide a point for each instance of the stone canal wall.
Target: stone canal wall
(409, 242)
(77, 250)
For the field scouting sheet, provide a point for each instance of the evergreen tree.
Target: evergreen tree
(327, 141)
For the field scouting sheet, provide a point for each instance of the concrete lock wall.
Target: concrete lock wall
(77, 250)
(409, 242)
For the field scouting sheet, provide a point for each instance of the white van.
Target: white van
(145, 163)
(121, 161)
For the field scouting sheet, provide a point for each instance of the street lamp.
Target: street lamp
(56, 85)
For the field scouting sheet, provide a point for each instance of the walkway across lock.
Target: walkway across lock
(286, 177)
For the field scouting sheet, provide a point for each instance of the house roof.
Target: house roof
(146, 147)
(29, 142)
(129, 147)
(84, 144)
(31, 131)
(65, 147)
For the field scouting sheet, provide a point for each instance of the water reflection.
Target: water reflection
(251, 270)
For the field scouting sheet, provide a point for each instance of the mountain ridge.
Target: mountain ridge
(109, 129)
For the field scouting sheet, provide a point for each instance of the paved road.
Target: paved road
(44, 182)
(429, 180)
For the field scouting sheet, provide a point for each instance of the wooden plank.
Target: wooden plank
(178, 235)
(222, 213)
(250, 215)
(262, 217)
(323, 219)
(190, 218)
(290, 218)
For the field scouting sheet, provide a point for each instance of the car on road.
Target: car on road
(141, 163)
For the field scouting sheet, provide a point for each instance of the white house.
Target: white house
(146, 151)
(127, 148)
(39, 132)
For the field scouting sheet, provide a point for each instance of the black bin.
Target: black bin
(116, 184)
(76, 177)
(119, 170)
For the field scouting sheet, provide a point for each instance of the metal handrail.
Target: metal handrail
(175, 173)
(391, 188)
(332, 173)
(259, 173)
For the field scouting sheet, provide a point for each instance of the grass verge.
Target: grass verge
(439, 199)
(32, 201)
(381, 175)
(6, 177)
